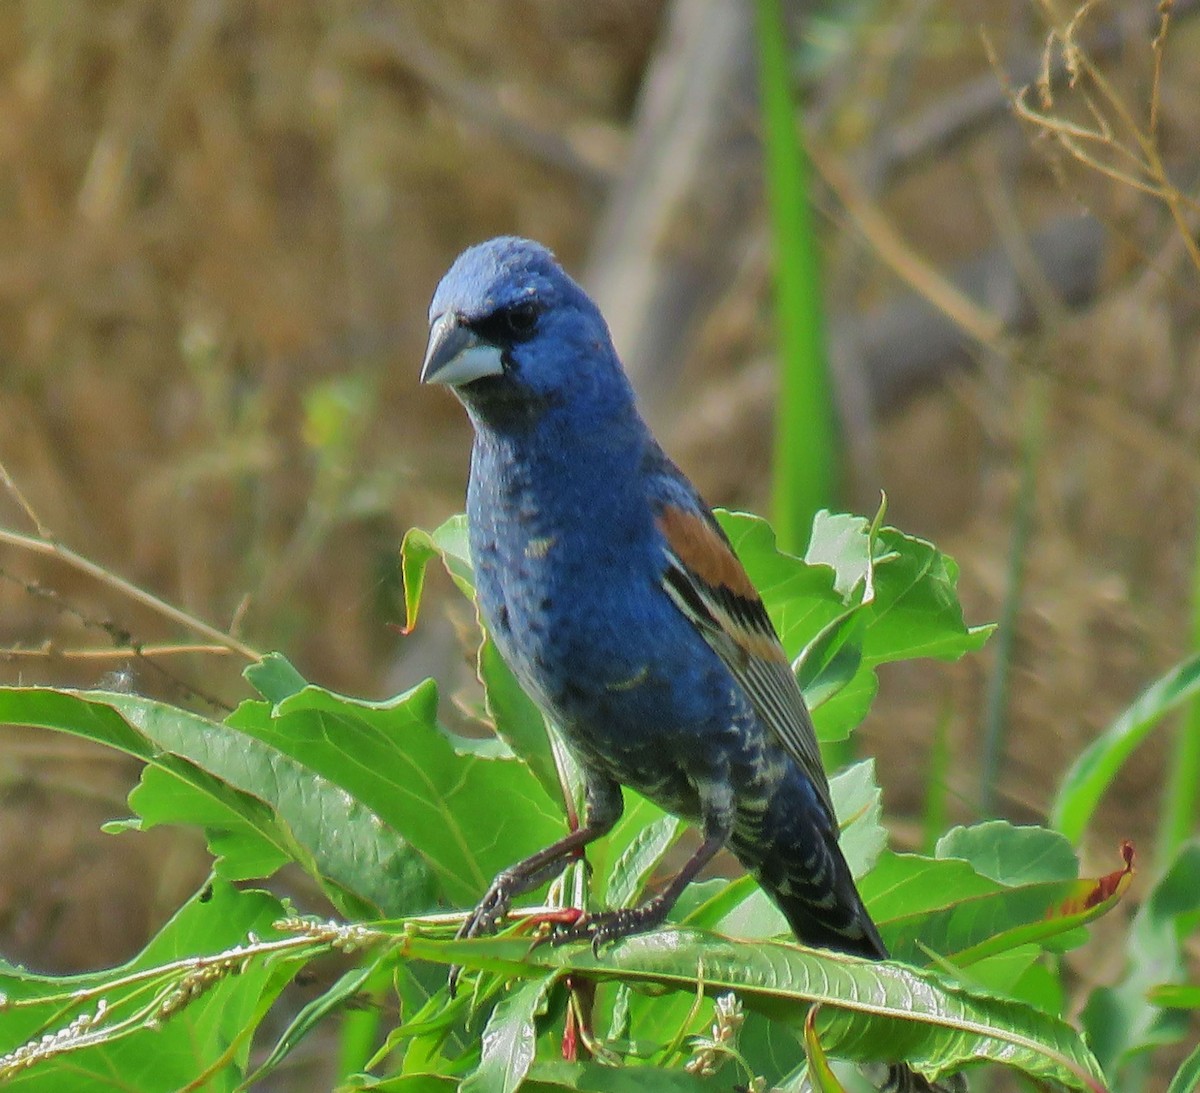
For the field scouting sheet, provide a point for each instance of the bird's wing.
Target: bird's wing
(708, 584)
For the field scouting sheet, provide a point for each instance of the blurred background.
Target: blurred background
(220, 226)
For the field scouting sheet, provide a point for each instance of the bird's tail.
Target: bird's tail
(821, 903)
(824, 909)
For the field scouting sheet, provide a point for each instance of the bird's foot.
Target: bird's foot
(483, 920)
(489, 910)
(606, 926)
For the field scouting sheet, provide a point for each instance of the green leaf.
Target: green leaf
(1175, 996)
(820, 1074)
(274, 678)
(436, 1030)
(206, 1040)
(706, 905)
(945, 906)
(329, 1002)
(468, 816)
(517, 719)
(259, 806)
(913, 612)
(554, 1076)
(237, 826)
(856, 798)
(1011, 855)
(1187, 1077)
(639, 859)
(1093, 771)
(828, 663)
(840, 714)
(754, 916)
(912, 884)
(419, 548)
(872, 1010)
(1003, 973)
(773, 1048)
(509, 1040)
(1121, 1020)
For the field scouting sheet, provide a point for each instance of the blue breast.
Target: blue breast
(567, 577)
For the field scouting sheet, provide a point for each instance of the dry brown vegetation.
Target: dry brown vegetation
(220, 224)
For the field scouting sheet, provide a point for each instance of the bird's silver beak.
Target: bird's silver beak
(457, 355)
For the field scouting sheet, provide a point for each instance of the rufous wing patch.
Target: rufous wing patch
(703, 551)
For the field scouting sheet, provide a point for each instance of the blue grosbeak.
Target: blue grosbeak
(619, 604)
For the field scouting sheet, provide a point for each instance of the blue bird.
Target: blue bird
(618, 602)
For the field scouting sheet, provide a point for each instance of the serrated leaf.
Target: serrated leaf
(467, 816)
(915, 611)
(238, 787)
(872, 1010)
(236, 824)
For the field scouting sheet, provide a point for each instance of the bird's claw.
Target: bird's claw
(482, 921)
(606, 926)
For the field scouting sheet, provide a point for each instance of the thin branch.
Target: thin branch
(54, 549)
(1143, 151)
(49, 651)
(977, 103)
(21, 500)
(1157, 47)
(978, 322)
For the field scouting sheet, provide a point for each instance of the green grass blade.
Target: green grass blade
(1187, 1077)
(1096, 767)
(996, 701)
(1181, 801)
(805, 448)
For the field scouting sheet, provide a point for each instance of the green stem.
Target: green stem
(805, 454)
(996, 701)
(1181, 800)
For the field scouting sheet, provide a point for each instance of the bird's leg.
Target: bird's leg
(611, 925)
(604, 808)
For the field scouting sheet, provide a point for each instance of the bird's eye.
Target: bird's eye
(521, 319)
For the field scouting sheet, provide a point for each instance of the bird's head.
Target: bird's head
(510, 330)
